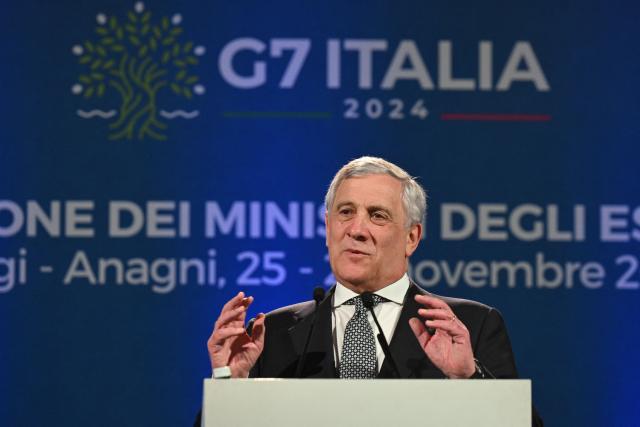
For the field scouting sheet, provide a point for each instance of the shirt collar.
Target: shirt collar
(394, 292)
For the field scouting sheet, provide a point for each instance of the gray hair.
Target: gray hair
(414, 199)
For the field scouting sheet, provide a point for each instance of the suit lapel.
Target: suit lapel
(319, 361)
(411, 360)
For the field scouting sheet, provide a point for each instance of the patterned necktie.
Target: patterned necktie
(358, 358)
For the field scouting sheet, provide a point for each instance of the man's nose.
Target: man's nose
(358, 228)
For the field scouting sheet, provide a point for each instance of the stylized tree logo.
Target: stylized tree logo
(138, 58)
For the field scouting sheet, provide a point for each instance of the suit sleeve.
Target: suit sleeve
(493, 347)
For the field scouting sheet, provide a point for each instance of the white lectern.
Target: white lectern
(366, 403)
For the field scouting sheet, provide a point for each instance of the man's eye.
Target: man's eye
(344, 211)
(379, 216)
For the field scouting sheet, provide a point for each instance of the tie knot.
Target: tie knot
(357, 301)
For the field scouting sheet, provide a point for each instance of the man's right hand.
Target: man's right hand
(229, 343)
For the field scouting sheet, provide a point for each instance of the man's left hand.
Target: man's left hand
(449, 348)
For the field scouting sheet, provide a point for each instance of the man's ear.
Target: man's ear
(413, 239)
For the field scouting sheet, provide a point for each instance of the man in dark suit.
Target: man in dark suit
(374, 216)
(289, 327)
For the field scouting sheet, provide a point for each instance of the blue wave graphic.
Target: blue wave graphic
(96, 113)
(180, 113)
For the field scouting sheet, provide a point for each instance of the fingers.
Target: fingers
(432, 302)
(451, 328)
(436, 309)
(420, 331)
(246, 302)
(230, 323)
(258, 331)
(220, 335)
(437, 314)
(234, 311)
(234, 302)
(237, 301)
(228, 316)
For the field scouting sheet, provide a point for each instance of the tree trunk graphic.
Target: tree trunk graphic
(137, 85)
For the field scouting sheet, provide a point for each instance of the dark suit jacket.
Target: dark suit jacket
(287, 329)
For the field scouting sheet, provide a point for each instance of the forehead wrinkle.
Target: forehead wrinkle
(383, 195)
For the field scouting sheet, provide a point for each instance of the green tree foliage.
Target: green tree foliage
(138, 58)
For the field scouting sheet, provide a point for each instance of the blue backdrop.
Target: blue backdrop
(157, 157)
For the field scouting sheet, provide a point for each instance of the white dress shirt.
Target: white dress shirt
(387, 313)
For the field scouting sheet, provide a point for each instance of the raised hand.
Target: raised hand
(229, 343)
(449, 348)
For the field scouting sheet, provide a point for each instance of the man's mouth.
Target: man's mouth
(355, 252)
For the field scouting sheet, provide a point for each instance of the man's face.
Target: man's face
(366, 235)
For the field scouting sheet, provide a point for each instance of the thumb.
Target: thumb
(420, 331)
(259, 329)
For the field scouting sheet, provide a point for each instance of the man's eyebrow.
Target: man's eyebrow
(344, 203)
(379, 208)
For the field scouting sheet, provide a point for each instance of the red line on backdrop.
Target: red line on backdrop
(495, 117)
